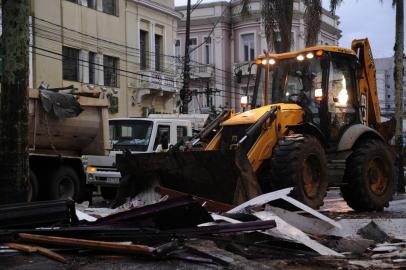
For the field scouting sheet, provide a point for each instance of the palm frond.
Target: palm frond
(245, 8)
(277, 16)
(334, 4)
(312, 18)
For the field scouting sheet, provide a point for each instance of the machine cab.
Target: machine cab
(321, 81)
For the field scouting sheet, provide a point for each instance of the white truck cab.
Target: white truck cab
(139, 135)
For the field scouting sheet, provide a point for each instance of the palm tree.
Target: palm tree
(398, 74)
(277, 17)
(14, 101)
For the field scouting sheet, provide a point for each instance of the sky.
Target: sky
(360, 19)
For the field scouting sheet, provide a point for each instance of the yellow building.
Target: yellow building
(122, 48)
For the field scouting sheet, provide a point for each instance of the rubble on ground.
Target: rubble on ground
(176, 226)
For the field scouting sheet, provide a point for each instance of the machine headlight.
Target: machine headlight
(309, 55)
(300, 57)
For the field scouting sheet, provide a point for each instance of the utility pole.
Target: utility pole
(185, 94)
(14, 101)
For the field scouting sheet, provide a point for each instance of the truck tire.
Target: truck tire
(299, 161)
(108, 193)
(369, 177)
(32, 187)
(64, 184)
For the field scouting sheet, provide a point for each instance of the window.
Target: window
(92, 4)
(181, 132)
(92, 68)
(177, 48)
(248, 45)
(388, 96)
(109, 7)
(162, 135)
(70, 64)
(143, 49)
(192, 47)
(207, 50)
(88, 3)
(110, 70)
(158, 52)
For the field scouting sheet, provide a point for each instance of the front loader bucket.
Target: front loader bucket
(224, 176)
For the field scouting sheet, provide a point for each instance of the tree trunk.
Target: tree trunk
(14, 101)
(399, 47)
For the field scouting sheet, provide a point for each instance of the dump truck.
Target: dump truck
(62, 128)
(323, 128)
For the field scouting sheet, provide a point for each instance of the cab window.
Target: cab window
(181, 132)
(163, 133)
(341, 97)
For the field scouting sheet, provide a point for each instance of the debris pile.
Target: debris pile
(182, 227)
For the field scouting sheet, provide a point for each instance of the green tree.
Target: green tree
(14, 101)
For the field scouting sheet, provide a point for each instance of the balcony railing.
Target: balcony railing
(157, 80)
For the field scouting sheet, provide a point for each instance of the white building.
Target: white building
(225, 42)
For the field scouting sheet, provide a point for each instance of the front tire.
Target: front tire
(299, 161)
(64, 184)
(369, 177)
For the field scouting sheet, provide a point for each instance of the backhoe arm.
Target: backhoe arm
(367, 81)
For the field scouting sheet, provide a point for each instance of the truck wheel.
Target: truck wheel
(108, 193)
(64, 184)
(369, 177)
(32, 187)
(300, 162)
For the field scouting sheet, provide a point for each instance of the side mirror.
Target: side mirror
(238, 76)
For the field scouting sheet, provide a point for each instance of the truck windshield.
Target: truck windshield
(130, 134)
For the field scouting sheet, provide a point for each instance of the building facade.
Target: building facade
(122, 48)
(223, 42)
(386, 85)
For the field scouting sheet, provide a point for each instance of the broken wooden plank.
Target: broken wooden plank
(36, 249)
(87, 244)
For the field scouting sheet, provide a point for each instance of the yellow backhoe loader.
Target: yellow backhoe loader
(322, 129)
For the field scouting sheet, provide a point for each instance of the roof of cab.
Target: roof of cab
(311, 49)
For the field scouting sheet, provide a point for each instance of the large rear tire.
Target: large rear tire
(299, 161)
(369, 177)
(64, 184)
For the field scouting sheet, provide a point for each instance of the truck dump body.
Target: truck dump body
(74, 136)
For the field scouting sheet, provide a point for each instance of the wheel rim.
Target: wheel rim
(66, 188)
(377, 176)
(311, 176)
